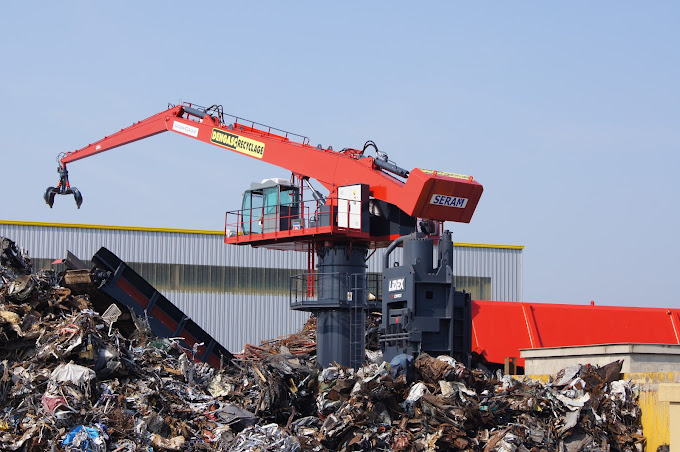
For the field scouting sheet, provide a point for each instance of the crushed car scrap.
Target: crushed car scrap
(71, 379)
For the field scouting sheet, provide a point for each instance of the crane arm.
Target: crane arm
(426, 194)
(143, 129)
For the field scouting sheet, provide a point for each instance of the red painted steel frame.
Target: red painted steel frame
(501, 328)
(417, 196)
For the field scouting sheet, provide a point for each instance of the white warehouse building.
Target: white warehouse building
(239, 294)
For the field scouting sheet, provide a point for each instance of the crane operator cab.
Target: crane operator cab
(270, 206)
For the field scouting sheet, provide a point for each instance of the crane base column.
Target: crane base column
(337, 295)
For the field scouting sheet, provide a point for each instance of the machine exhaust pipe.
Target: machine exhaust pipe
(396, 243)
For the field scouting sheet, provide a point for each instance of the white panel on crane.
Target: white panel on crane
(349, 206)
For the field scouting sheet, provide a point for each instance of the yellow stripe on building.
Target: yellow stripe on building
(109, 227)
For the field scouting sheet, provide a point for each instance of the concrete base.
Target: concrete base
(636, 357)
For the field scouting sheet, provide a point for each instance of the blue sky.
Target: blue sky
(568, 114)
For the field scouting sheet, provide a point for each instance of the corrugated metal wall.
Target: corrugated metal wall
(146, 246)
(236, 318)
(504, 266)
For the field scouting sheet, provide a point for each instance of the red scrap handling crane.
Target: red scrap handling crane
(371, 203)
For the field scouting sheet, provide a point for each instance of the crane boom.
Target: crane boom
(427, 194)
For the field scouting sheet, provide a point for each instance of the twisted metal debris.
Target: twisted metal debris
(70, 380)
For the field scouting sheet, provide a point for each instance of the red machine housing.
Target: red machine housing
(500, 329)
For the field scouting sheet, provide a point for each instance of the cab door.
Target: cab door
(252, 212)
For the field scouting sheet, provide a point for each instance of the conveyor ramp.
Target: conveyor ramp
(165, 319)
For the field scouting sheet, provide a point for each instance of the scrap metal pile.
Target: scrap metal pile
(70, 380)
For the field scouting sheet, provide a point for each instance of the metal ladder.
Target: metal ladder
(357, 319)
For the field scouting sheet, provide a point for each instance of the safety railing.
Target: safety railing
(217, 110)
(318, 289)
(309, 215)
